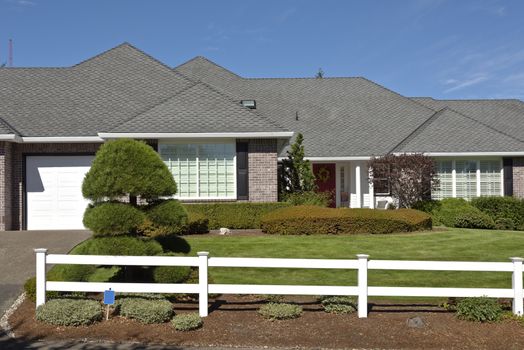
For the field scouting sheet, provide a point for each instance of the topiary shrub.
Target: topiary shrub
(233, 215)
(505, 224)
(168, 217)
(338, 304)
(173, 244)
(502, 209)
(111, 219)
(197, 223)
(280, 311)
(69, 312)
(145, 310)
(187, 322)
(321, 199)
(171, 274)
(472, 219)
(125, 168)
(308, 220)
(480, 309)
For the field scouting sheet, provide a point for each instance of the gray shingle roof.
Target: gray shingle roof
(356, 117)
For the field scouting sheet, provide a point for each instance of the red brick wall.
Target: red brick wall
(518, 177)
(263, 177)
(6, 188)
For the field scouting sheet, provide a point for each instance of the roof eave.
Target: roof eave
(251, 135)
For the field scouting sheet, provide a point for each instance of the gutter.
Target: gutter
(251, 135)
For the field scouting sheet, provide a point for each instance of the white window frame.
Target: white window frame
(477, 160)
(164, 143)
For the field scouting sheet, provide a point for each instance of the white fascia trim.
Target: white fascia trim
(251, 135)
(473, 154)
(335, 159)
(9, 137)
(61, 139)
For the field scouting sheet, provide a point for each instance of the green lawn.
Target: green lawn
(454, 244)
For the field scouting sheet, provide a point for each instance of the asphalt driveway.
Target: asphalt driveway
(17, 259)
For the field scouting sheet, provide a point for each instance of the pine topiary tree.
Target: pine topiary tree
(297, 175)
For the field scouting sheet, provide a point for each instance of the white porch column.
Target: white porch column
(358, 187)
(371, 191)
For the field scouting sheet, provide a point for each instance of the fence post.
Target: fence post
(362, 285)
(41, 255)
(203, 285)
(517, 286)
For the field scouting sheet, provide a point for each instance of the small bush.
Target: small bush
(280, 311)
(111, 219)
(427, 206)
(69, 312)
(501, 209)
(338, 304)
(145, 310)
(307, 220)
(505, 224)
(480, 309)
(233, 215)
(171, 274)
(472, 219)
(168, 217)
(321, 199)
(187, 322)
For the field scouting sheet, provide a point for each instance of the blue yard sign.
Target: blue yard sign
(109, 297)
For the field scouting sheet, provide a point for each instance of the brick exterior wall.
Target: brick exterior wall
(18, 152)
(263, 167)
(518, 177)
(6, 188)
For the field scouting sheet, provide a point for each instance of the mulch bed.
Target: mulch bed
(234, 322)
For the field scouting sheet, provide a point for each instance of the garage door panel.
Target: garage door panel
(54, 195)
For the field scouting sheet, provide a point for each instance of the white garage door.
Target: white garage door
(54, 191)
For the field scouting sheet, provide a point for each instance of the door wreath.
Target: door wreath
(323, 174)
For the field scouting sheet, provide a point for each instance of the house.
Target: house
(222, 135)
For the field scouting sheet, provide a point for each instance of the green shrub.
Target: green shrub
(427, 206)
(127, 167)
(474, 220)
(173, 244)
(321, 199)
(501, 209)
(145, 310)
(169, 217)
(171, 274)
(480, 309)
(197, 223)
(111, 219)
(280, 311)
(233, 215)
(308, 220)
(69, 312)
(187, 322)
(338, 304)
(505, 224)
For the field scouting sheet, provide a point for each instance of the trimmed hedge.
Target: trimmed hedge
(187, 322)
(112, 219)
(321, 199)
(145, 310)
(474, 220)
(197, 223)
(69, 312)
(507, 212)
(233, 215)
(309, 220)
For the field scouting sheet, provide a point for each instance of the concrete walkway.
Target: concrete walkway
(17, 259)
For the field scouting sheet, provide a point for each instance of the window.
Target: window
(381, 183)
(201, 170)
(445, 175)
(472, 178)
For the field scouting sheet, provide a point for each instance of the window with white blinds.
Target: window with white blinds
(466, 178)
(201, 170)
(445, 176)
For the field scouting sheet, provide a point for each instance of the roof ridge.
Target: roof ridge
(419, 129)
(9, 126)
(100, 54)
(303, 78)
(207, 60)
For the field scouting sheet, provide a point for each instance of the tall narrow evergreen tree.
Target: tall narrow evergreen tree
(297, 175)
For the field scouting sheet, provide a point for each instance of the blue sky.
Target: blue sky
(440, 48)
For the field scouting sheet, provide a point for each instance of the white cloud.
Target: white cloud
(461, 84)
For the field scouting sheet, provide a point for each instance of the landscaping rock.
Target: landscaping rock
(415, 322)
(225, 231)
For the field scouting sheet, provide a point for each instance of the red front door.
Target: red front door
(325, 179)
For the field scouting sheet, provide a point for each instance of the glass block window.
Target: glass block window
(445, 175)
(466, 178)
(202, 170)
(490, 179)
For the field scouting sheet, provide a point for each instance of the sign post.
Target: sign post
(109, 299)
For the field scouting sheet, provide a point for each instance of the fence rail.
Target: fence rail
(362, 264)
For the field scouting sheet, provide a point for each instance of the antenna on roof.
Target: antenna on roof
(10, 52)
(296, 115)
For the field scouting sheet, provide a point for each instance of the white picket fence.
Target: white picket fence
(203, 288)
